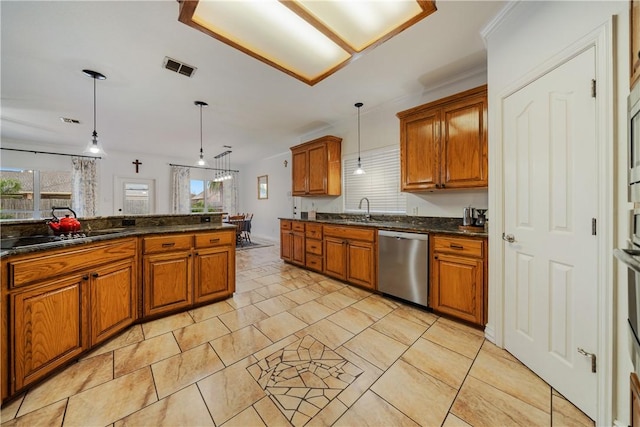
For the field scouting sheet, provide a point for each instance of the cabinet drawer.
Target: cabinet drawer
(207, 240)
(314, 262)
(285, 225)
(367, 235)
(314, 231)
(172, 242)
(314, 246)
(43, 266)
(461, 246)
(298, 226)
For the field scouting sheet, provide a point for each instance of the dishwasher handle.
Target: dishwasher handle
(399, 235)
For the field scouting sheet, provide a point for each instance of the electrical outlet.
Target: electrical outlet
(204, 219)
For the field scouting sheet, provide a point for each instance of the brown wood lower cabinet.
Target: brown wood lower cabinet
(112, 293)
(350, 255)
(167, 282)
(185, 269)
(292, 241)
(58, 304)
(214, 274)
(70, 300)
(457, 285)
(49, 327)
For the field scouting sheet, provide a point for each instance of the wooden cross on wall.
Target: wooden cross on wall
(137, 163)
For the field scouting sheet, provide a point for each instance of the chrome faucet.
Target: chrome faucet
(367, 216)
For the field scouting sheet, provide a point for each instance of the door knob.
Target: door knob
(508, 238)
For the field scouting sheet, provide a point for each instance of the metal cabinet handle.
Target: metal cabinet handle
(454, 246)
(85, 277)
(95, 275)
(508, 238)
(214, 240)
(168, 245)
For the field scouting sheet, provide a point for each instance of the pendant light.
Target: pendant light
(201, 161)
(359, 171)
(94, 147)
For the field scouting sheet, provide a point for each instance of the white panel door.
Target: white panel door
(551, 268)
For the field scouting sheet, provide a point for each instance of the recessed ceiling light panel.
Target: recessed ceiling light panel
(309, 40)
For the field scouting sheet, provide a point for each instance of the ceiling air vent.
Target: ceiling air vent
(179, 67)
(68, 120)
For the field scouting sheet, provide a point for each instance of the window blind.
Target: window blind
(380, 184)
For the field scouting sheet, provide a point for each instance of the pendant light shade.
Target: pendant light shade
(359, 171)
(94, 147)
(201, 161)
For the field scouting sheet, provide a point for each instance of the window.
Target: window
(206, 196)
(26, 194)
(380, 184)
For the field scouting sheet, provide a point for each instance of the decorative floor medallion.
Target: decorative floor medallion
(303, 378)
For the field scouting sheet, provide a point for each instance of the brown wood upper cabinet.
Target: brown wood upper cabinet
(316, 167)
(443, 144)
(634, 45)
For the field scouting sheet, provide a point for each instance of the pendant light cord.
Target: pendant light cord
(359, 105)
(95, 134)
(200, 128)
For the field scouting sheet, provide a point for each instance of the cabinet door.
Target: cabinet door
(419, 151)
(298, 248)
(286, 245)
(112, 300)
(361, 264)
(335, 258)
(213, 274)
(457, 287)
(317, 169)
(299, 172)
(464, 144)
(49, 328)
(167, 282)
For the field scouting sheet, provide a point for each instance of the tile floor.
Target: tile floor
(295, 348)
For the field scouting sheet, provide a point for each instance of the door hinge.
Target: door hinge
(593, 88)
(594, 225)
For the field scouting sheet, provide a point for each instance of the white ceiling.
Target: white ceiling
(253, 107)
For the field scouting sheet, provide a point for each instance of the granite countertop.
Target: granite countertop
(423, 225)
(109, 234)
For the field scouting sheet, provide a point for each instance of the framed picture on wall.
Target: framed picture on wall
(263, 187)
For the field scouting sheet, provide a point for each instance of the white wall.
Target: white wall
(530, 35)
(266, 212)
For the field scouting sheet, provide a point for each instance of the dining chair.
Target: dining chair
(238, 221)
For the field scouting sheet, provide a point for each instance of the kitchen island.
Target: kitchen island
(62, 298)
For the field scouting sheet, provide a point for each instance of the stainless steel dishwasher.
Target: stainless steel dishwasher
(403, 265)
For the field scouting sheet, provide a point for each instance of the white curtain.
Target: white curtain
(230, 195)
(180, 190)
(83, 192)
